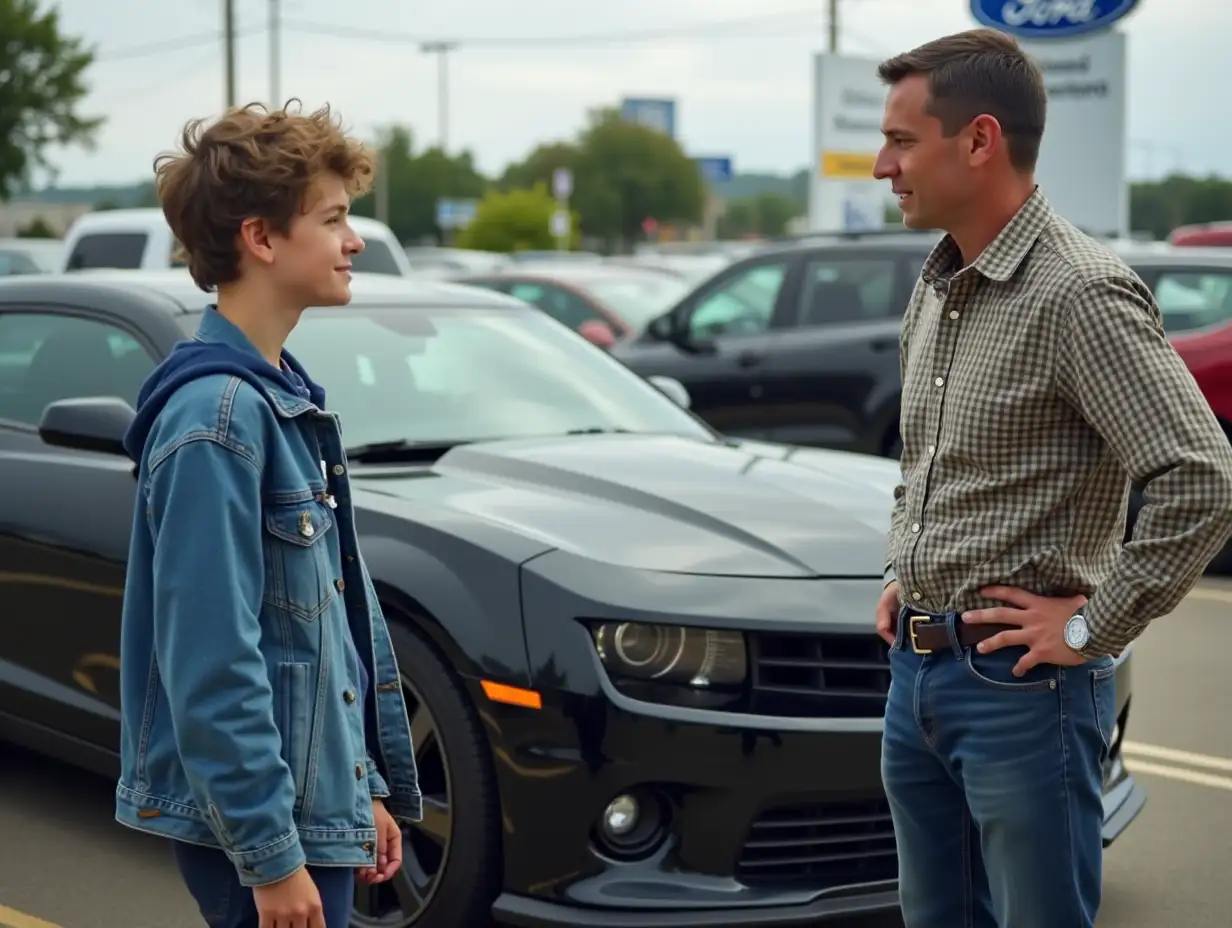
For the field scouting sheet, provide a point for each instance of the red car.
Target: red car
(1205, 235)
(604, 302)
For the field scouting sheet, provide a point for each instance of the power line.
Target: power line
(179, 43)
(788, 22)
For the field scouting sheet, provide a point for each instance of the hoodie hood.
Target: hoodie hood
(218, 348)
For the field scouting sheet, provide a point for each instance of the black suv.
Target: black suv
(797, 343)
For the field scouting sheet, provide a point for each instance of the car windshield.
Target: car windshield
(637, 300)
(376, 258)
(449, 375)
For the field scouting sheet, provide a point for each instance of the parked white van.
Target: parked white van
(140, 239)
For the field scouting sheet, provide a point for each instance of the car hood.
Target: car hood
(665, 503)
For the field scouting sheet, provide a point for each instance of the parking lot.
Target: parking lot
(65, 864)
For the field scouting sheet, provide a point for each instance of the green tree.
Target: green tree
(42, 83)
(626, 173)
(766, 214)
(513, 220)
(1159, 207)
(540, 165)
(416, 182)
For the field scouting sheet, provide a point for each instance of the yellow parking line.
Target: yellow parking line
(11, 918)
(1172, 755)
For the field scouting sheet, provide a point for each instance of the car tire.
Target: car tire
(457, 758)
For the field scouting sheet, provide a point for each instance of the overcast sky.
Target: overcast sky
(741, 89)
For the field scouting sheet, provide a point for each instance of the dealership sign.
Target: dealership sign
(1050, 19)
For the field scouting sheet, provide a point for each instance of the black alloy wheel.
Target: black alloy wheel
(451, 858)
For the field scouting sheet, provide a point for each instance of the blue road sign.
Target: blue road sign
(654, 114)
(455, 214)
(715, 170)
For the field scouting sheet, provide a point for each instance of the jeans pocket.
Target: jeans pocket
(995, 671)
(1103, 697)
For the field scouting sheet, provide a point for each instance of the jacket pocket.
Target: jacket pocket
(297, 558)
(295, 723)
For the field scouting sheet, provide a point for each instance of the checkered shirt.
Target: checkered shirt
(1037, 382)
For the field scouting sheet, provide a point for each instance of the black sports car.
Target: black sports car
(644, 682)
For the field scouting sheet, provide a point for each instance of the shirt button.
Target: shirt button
(917, 595)
(348, 696)
(359, 771)
(339, 470)
(915, 527)
(940, 381)
(953, 314)
(340, 585)
(932, 449)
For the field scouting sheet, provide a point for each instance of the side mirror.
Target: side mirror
(92, 423)
(597, 333)
(673, 389)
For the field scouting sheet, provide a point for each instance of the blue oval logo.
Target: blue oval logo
(1050, 19)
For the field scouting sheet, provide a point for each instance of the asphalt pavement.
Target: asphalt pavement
(65, 864)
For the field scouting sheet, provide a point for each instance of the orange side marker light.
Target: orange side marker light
(512, 695)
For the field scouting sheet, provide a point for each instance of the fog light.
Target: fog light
(621, 816)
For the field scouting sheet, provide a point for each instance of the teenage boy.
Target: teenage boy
(252, 733)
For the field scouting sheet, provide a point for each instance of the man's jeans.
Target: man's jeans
(994, 785)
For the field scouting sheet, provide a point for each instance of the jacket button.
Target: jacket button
(340, 584)
(367, 847)
(359, 771)
(348, 696)
(339, 470)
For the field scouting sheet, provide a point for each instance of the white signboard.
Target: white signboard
(1082, 162)
(562, 183)
(560, 224)
(848, 103)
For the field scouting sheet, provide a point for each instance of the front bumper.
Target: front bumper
(768, 820)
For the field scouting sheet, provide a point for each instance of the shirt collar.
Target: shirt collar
(1005, 253)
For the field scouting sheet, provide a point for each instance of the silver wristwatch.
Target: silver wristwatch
(1077, 633)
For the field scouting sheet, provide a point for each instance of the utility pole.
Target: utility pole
(833, 22)
(441, 50)
(275, 53)
(228, 42)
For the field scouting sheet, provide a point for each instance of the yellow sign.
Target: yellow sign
(847, 165)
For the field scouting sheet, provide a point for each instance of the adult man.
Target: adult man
(1037, 381)
(262, 727)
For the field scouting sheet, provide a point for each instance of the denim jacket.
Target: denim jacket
(261, 706)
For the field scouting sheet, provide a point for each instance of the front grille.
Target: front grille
(821, 844)
(837, 676)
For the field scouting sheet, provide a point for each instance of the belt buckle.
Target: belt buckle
(911, 624)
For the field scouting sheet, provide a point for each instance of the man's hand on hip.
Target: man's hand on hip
(1040, 622)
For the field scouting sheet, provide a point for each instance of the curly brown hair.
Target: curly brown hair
(251, 162)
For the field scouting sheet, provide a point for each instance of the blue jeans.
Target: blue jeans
(226, 903)
(994, 785)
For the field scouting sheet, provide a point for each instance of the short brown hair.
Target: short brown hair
(251, 162)
(975, 72)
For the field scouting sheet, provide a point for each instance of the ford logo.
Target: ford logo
(1050, 19)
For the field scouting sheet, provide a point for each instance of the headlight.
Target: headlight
(672, 654)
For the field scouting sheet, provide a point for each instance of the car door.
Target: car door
(833, 378)
(728, 329)
(65, 520)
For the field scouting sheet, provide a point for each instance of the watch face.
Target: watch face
(1077, 633)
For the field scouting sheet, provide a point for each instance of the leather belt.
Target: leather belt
(928, 632)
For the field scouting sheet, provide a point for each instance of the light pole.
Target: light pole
(833, 22)
(275, 54)
(228, 48)
(441, 50)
